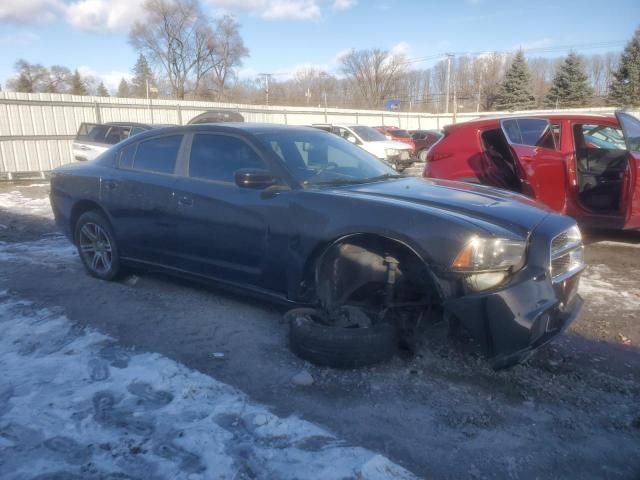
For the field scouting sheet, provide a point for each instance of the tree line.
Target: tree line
(185, 54)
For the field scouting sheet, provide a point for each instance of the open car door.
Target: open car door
(631, 196)
(541, 167)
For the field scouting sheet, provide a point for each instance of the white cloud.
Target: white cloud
(101, 15)
(274, 9)
(401, 48)
(344, 4)
(30, 11)
(111, 79)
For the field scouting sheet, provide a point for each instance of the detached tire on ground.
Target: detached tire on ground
(336, 346)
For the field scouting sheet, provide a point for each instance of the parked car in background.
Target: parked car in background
(398, 135)
(93, 139)
(305, 217)
(216, 116)
(397, 154)
(583, 165)
(424, 140)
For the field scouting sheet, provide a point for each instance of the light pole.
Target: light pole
(448, 86)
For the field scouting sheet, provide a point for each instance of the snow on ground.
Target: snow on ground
(50, 251)
(16, 200)
(602, 287)
(75, 404)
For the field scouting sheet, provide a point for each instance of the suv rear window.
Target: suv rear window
(105, 134)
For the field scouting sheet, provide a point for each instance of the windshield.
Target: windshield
(400, 133)
(368, 134)
(320, 158)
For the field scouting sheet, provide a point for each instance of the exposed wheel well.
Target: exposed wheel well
(78, 209)
(355, 270)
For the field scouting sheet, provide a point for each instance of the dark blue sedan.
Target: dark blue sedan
(305, 217)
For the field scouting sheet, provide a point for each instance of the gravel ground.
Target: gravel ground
(573, 411)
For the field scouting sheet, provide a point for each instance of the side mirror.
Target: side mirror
(352, 139)
(256, 178)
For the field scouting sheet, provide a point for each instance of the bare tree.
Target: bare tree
(226, 52)
(374, 73)
(31, 77)
(58, 79)
(176, 35)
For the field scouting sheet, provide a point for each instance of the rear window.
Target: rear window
(91, 132)
(105, 134)
(156, 155)
(400, 133)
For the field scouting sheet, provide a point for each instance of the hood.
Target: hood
(508, 210)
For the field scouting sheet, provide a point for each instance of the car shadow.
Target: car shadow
(593, 236)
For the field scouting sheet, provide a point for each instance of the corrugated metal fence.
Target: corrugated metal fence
(36, 130)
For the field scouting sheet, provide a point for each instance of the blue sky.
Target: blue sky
(284, 35)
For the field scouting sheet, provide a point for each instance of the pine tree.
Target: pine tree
(102, 90)
(77, 84)
(123, 89)
(625, 88)
(141, 75)
(570, 86)
(516, 92)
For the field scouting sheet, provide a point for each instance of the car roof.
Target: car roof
(494, 120)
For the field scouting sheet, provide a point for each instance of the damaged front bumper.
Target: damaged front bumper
(539, 302)
(511, 323)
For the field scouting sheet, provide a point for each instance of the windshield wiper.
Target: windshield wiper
(354, 181)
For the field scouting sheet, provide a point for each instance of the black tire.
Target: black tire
(339, 347)
(94, 223)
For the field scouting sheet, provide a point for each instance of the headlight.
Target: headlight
(391, 152)
(488, 261)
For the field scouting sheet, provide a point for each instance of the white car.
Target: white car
(397, 154)
(94, 138)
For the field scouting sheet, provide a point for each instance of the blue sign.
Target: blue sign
(393, 105)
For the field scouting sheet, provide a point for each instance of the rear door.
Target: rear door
(631, 202)
(140, 200)
(541, 166)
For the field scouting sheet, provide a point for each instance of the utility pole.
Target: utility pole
(479, 91)
(267, 78)
(448, 86)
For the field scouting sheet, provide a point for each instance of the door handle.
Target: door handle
(110, 184)
(185, 201)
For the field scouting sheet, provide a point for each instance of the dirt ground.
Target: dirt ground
(572, 411)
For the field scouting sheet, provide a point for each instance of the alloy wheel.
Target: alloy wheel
(95, 248)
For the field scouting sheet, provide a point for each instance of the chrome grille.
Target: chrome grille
(567, 254)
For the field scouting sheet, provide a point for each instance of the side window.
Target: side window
(115, 135)
(600, 136)
(218, 157)
(126, 156)
(158, 154)
(136, 131)
(526, 131)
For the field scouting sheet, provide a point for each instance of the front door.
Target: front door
(227, 232)
(541, 166)
(631, 199)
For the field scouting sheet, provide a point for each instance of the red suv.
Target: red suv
(398, 135)
(586, 166)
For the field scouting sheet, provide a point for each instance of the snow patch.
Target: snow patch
(51, 251)
(75, 404)
(17, 202)
(602, 287)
